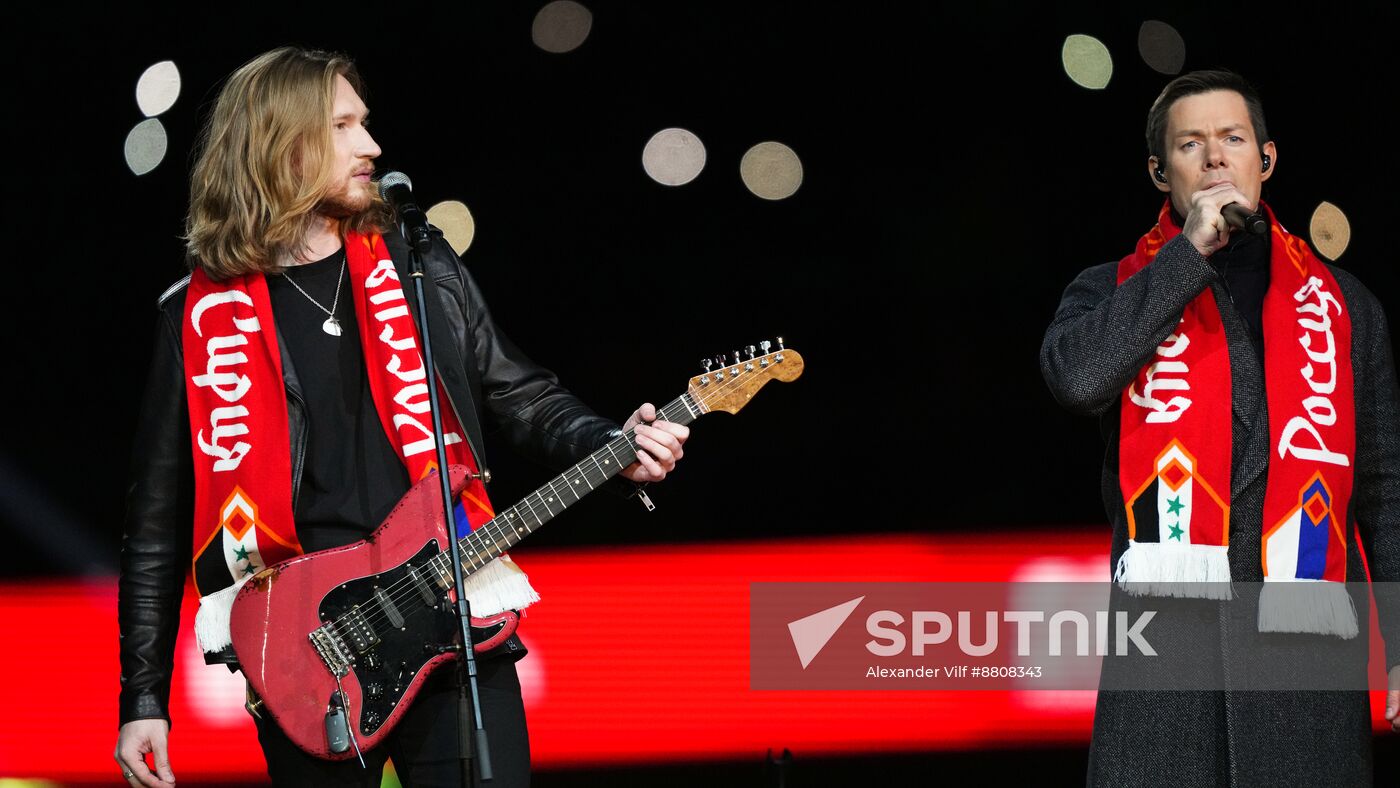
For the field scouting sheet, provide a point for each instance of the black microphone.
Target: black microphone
(1239, 216)
(397, 190)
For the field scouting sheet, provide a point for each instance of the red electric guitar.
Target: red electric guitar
(337, 643)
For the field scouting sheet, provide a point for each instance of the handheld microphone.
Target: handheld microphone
(1239, 216)
(397, 190)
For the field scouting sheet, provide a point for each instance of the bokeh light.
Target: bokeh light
(145, 146)
(1087, 61)
(673, 157)
(157, 88)
(771, 170)
(456, 223)
(1330, 231)
(1161, 47)
(561, 26)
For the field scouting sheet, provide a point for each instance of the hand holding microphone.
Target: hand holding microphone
(1243, 218)
(1215, 212)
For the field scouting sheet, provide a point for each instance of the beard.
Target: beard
(350, 201)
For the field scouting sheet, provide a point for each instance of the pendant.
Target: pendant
(331, 326)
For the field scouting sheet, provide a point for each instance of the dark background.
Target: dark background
(955, 181)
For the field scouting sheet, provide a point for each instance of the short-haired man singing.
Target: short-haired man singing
(1234, 375)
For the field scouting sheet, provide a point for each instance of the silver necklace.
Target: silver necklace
(331, 326)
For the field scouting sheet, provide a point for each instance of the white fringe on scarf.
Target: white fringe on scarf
(211, 622)
(1190, 571)
(498, 586)
(1312, 606)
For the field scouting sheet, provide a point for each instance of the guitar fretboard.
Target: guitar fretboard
(504, 531)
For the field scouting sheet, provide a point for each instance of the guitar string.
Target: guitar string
(403, 590)
(504, 531)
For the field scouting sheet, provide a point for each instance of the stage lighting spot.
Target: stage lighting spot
(561, 26)
(533, 684)
(145, 146)
(673, 157)
(1087, 61)
(1161, 47)
(215, 697)
(1330, 231)
(158, 88)
(771, 170)
(456, 223)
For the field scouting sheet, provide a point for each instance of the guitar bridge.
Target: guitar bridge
(331, 648)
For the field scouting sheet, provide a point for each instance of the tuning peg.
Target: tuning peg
(705, 363)
(779, 356)
(719, 360)
(780, 344)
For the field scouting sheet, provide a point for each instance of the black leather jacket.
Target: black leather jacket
(481, 370)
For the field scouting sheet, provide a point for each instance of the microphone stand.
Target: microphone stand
(468, 698)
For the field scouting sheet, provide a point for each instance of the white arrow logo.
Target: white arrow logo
(810, 634)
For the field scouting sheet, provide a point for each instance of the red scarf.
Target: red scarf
(243, 518)
(1175, 447)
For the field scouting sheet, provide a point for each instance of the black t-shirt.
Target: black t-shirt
(352, 476)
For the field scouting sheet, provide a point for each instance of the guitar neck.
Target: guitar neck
(727, 389)
(504, 531)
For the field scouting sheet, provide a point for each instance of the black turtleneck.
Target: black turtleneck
(1243, 265)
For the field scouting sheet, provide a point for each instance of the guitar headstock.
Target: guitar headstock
(730, 387)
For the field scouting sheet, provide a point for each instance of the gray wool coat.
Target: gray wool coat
(1101, 336)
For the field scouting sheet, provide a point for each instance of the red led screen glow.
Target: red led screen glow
(637, 655)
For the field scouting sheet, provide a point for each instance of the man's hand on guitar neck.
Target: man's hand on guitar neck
(134, 741)
(658, 445)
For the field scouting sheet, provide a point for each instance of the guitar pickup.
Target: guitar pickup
(423, 590)
(387, 605)
(355, 628)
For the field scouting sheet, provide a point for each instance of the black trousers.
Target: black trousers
(423, 745)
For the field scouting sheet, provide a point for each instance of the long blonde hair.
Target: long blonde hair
(263, 163)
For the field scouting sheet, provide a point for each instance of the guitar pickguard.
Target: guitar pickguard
(389, 625)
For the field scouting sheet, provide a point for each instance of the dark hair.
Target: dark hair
(1201, 82)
